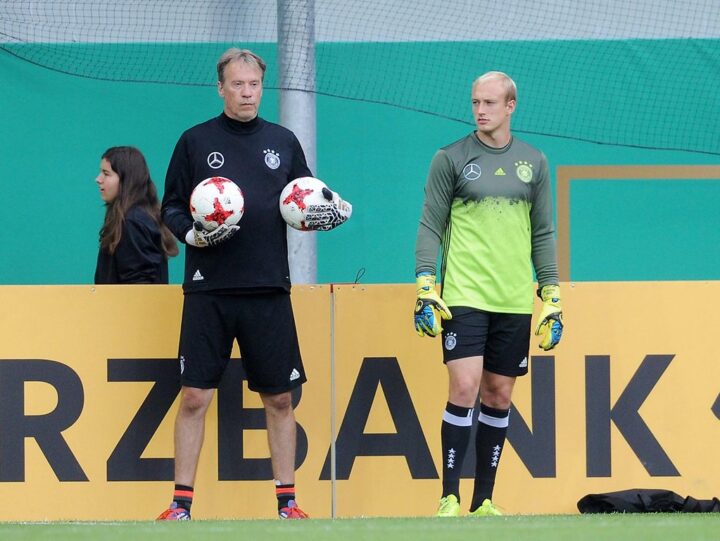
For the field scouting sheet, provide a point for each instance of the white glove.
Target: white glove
(200, 238)
(324, 217)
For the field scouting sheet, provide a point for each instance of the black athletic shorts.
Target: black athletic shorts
(264, 327)
(502, 339)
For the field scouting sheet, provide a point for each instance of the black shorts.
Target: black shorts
(502, 339)
(264, 327)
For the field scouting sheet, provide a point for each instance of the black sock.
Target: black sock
(489, 441)
(455, 435)
(183, 496)
(284, 494)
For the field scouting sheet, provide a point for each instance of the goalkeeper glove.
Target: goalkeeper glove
(429, 308)
(324, 217)
(550, 326)
(200, 238)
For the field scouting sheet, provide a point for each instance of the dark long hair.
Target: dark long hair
(136, 189)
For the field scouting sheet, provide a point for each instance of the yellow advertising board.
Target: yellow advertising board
(88, 379)
(88, 385)
(628, 400)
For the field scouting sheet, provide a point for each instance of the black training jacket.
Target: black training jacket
(139, 257)
(261, 158)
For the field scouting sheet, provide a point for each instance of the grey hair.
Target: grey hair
(245, 55)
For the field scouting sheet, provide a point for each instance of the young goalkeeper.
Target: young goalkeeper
(488, 203)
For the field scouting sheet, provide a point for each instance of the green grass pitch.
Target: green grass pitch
(616, 527)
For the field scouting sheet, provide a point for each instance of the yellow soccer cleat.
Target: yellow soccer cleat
(449, 507)
(487, 509)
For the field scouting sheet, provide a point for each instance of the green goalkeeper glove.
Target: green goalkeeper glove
(550, 326)
(429, 307)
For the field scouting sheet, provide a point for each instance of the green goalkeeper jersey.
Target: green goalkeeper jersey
(491, 209)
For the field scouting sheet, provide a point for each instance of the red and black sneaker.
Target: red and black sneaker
(292, 511)
(174, 513)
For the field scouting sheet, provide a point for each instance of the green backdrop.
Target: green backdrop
(55, 127)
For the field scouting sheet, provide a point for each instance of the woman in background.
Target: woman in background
(134, 243)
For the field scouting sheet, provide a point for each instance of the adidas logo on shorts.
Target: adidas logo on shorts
(294, 374)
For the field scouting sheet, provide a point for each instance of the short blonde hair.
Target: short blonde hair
(234, 54)
(508, 83)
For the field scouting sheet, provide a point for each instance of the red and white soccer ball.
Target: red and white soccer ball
(216, 201)
(299, 195)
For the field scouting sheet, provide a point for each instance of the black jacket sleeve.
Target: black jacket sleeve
(178, 186)
(299, 167)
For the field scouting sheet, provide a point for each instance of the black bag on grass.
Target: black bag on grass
(645, 500)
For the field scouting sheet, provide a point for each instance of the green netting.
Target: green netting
(636, 76)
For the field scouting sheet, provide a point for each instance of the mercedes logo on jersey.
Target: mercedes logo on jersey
(215, 160)
(472, 171)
